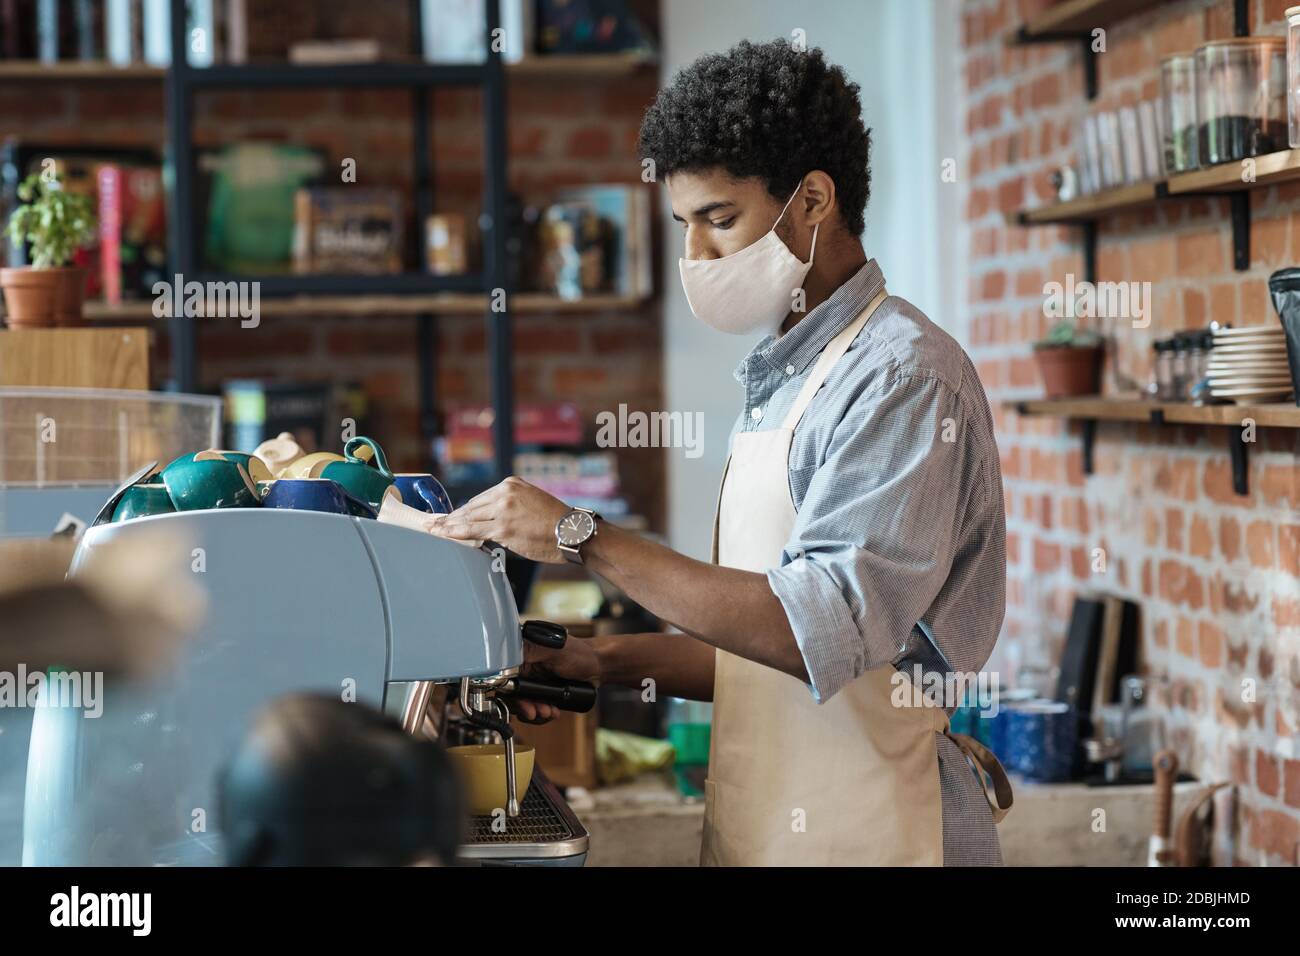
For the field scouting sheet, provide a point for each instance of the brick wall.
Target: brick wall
(1217, 575)
(561, 132)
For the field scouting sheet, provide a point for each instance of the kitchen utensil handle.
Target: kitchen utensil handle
(1166, 773)
(577, 696)
(545, 634)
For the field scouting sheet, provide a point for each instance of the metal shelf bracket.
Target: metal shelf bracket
(1240, 452)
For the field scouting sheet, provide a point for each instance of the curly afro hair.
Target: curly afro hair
(765, 110)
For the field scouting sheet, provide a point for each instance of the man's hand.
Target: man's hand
(576, 661)
(516, 515)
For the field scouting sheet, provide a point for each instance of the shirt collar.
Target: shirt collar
(798, 347)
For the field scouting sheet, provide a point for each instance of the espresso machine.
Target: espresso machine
(297, 601)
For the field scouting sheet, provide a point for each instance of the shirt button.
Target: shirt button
(756, 414)
(789, 370)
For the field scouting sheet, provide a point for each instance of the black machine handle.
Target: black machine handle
(545, 634)
(577, 696)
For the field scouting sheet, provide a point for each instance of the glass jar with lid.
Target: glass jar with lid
(1178, 106)
(1164, 370)
(1241, 98)
(1178, 377)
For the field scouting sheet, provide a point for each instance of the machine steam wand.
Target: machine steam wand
(481, 707)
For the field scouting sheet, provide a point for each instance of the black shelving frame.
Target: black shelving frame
(184, 82)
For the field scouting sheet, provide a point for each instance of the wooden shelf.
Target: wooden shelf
(525, 303)
(1270, 169)
(589, 65)
(1092, 409)
(1077, 18)
(1089, 208)
(78, 70)
(1102, 409)
(577, 66)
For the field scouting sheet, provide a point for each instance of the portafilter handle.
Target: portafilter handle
(545, 634)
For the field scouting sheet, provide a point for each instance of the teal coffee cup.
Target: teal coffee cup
(141, 501)
(369, 482)
(209, 480)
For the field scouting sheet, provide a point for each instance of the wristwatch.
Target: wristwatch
(573, 531)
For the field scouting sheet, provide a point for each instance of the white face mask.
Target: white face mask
(750, 290)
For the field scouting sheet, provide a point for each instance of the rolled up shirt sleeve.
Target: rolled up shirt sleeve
(878, 529)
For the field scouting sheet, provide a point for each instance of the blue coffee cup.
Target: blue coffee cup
(424, 492)
(313, 494)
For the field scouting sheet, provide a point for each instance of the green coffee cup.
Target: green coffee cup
(369, 482)
(209, 480)
(140, 501)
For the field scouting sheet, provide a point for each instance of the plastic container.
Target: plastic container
(52, 437)
(1164, 370)
(1241, 98)
(1178, 110)
(1293, 76)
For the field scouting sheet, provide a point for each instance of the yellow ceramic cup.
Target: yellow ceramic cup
(482, 770)
(310, 466)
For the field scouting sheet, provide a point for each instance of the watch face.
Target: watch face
(575, 528)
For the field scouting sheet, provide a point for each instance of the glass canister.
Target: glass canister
(1164, 369)
(1178, 108)
(1293, 75)
(1241, 98)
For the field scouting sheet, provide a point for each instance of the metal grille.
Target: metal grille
(538, 822)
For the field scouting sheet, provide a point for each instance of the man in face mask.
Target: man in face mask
(859, 549)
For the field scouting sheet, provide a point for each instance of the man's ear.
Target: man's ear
(818, 197)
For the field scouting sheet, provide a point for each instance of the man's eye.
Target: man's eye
(723, 223)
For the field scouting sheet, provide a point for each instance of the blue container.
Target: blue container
(990, 730)
(1039, 739)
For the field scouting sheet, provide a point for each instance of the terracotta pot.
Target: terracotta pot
(72, 296)
(1069, 370)
(31, 296)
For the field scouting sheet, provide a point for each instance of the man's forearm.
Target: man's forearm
(724, 607)
(679, 665)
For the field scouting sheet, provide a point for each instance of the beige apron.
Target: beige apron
(853, 781)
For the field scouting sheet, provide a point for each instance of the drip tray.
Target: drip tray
(545, 830)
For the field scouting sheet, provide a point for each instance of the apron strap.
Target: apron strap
(834, 350)
(987, 763)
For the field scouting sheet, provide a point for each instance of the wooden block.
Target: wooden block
(75, 358)
(566, 747)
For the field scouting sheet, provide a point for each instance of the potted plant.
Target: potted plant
(56, 223)
(1069, 361)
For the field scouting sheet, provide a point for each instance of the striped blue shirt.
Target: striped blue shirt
(898, 552)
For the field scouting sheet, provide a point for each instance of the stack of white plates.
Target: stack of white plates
(1249, 365)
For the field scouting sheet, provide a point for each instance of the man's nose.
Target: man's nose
(697, 247)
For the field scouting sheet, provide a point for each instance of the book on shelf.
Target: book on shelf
(47, 31)
(87, 14)
(452, 30)
(347, 230)
(122, 39)
(331, 52)
(17, 40)
(236, 31)
(628, 250)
